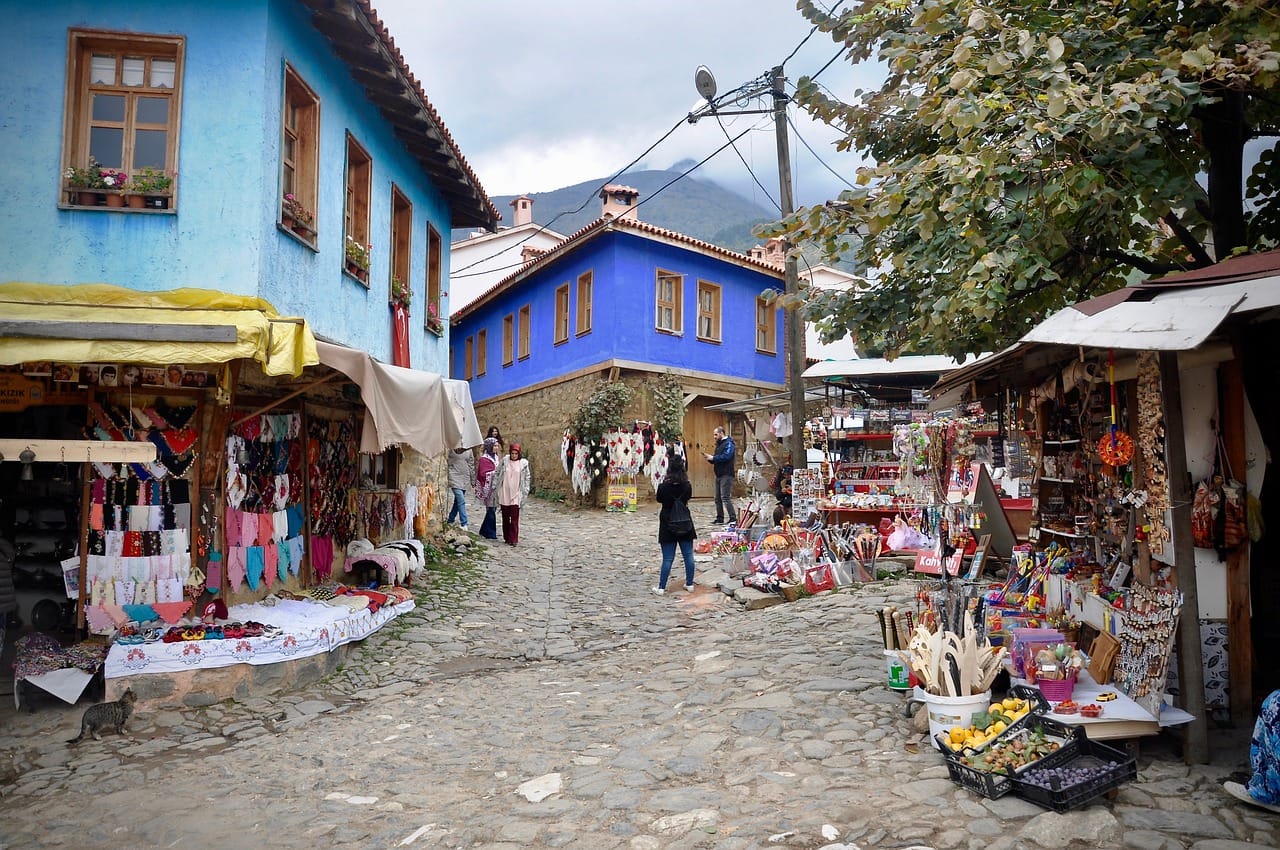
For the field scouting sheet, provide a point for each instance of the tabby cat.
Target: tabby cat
(106, 714)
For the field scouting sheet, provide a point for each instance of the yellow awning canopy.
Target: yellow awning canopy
(102, 323)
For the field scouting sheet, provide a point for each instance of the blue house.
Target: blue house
(278, 138)
(623, 300)
(224, 236)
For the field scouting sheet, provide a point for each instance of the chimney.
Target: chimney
(618, 200)
(756, 253)
(775, 253)
(523, 206)
(528, 252)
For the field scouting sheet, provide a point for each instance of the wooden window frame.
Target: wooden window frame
(77, 121)
(482, 352)
(709, 314)
(586, 295)
(508, 339)
(522, 333)
(766, 327)
(300, 171)
(401, 240)
(674, 304)
(356, 208)
(383, 469)
(562, 313)
(435, 263)
(468, 352)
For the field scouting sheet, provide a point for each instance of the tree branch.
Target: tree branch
(1192, 244)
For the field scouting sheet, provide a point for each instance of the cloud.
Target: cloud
(540, 96)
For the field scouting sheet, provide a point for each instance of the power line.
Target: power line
(563, 213)
(745, 165)
(814, 153)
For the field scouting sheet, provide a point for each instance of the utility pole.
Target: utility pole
(794, 322)
(705, 82)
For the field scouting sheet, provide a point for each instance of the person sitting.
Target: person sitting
(1263, 789)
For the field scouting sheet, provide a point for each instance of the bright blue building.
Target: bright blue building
(621, 299)
(234, 105)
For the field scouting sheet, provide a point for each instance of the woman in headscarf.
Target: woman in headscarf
(1263, 789)
(511, 486)
(486, 468)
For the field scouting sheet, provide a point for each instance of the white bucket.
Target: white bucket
(945, 712)
(898, 673)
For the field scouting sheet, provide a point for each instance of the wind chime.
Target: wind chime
(1116, 447)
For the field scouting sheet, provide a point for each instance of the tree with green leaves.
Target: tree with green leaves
(1032, 153)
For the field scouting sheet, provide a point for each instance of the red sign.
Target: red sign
(928, 561)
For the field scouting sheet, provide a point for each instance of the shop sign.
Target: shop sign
(18, 393)
(928, 561)
(622, 493)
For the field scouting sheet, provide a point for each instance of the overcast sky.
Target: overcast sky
(549, 94)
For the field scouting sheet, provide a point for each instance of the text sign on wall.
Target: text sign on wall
(18, 393)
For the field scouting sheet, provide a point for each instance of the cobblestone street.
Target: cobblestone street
(545, 698)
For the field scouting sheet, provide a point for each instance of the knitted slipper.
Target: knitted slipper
(1235, 789)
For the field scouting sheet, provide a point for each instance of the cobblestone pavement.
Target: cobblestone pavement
(546, 698)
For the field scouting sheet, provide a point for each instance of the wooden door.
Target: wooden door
(699, 438)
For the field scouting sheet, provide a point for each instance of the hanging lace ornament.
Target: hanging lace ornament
(565, 457)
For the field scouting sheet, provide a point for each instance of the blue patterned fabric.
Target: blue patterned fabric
(1264, 752)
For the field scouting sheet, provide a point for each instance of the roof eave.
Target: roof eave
(361, 41)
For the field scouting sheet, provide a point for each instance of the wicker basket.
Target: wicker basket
(1057, 690)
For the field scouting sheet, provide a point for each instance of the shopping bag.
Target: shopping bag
(819, 578)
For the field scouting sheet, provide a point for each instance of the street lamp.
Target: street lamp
(705, 82)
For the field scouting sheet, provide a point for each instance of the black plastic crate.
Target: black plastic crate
(1087, 753)
(1039, 707)
(995, 785)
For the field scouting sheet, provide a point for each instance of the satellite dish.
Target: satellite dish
(705, 82)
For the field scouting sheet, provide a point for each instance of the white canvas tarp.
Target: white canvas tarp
(402, 406)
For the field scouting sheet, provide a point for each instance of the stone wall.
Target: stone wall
(537, 418)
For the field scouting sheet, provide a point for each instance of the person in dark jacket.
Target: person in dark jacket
(721, 460)
(675, 487)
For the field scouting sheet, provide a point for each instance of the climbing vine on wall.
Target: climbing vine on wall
(601, 411)
(668, 405)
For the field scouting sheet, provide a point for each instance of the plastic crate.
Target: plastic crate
(1086, 753)
(1039, 707)
(996, 785)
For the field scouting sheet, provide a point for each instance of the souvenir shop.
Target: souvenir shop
(190, 516)
(1146, 473)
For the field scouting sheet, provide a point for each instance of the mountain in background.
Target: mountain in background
(697, 208)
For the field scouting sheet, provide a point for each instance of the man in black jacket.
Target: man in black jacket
(722, 460)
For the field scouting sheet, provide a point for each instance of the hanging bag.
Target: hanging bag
(679, 521)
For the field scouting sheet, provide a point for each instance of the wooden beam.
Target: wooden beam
(148, 332)
(80, 451)
(1190, 649)
(1239, 605)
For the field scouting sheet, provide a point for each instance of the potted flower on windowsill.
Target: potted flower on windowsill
(296, 217)
(149, 188)
(401, 293)
(85, 185)
(434, 323)
(357, 259)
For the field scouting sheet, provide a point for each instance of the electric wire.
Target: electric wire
(821, 161)
(755, 83)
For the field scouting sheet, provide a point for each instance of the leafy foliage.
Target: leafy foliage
(602, 410)
(668, 405)
(1032, 153)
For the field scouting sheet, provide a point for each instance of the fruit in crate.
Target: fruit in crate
(1007, 756)
(988, 725)
(1067, 776)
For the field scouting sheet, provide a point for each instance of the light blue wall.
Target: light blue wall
(223, 235)
(624, 270)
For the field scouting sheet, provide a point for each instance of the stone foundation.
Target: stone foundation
(239, 682)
